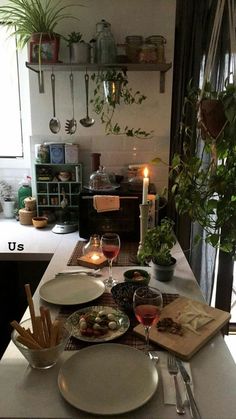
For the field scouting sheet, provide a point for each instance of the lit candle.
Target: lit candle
(145, 185)
(95, 256)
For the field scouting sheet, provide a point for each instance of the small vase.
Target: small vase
(163, 273)
(112, 90)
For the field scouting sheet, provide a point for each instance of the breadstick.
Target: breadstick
(54, 333)
(31, 308)
(27, 342)
(39, 324)
(22, 332)
(48, 320)
(45, 326)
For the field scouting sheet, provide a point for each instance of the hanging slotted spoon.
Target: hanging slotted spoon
(71, 124)
(87, 121)
(54, 123)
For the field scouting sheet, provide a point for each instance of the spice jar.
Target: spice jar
(160, 42)
(148, 53)
(133, 46)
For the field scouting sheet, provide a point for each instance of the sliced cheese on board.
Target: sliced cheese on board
(187, 345)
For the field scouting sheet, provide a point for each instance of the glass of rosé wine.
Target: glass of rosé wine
(147, 304)
(110, 244)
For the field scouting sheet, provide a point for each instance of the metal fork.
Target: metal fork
(173, 370)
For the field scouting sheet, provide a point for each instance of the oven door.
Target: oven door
(124, 221)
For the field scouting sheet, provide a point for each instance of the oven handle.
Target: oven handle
(121, 197)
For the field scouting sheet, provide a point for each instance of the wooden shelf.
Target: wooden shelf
(160, 67)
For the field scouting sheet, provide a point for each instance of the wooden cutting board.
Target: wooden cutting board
(187, 345)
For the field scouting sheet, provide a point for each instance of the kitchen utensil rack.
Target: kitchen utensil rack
(159, 67)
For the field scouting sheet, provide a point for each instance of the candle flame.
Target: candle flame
(95, 256)
(145, 172)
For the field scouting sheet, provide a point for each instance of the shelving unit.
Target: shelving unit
(50, 191)
(159, 67)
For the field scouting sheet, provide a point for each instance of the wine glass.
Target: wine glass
(110, 244)
(147, 304)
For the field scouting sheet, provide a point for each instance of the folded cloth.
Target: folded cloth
(103, 203)
(168, 381)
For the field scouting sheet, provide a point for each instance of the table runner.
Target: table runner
(129, 338)
(126, 257)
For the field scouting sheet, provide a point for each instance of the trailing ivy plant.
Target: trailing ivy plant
(204, 187)
(105, 106)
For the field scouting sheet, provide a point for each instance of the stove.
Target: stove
(125, 221)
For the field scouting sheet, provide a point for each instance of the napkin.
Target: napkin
(104, 203)
(168, 382)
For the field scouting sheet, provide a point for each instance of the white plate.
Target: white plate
(108, 379)
(123, 320)
(70, 290)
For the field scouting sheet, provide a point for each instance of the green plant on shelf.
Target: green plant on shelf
(111, 90)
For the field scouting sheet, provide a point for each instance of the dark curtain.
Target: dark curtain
(194, 23)
(193, 26)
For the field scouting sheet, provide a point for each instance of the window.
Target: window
(11, 140)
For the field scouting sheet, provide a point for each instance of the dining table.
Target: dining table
(26, 392)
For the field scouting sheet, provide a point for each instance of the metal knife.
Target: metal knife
(193, 406)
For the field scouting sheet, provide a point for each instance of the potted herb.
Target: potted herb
(156, 248)
(111, 90)
(79, 50)
(35, 22)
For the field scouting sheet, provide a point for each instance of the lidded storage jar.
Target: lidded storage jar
(105, 43)
(148, 54)
(160, 42)
(133, 46)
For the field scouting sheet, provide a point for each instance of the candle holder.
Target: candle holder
(144, 210)
(92, 254)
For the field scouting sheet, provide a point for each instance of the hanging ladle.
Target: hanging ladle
(71, 124)
(54, 123)
(87, 121)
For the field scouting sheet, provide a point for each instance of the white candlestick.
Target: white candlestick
(145, 186)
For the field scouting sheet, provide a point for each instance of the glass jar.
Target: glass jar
(133, 46)
(105, 43)
(160, 42)
(148, 53)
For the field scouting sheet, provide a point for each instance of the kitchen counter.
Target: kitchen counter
(27, 393)
(38, 244)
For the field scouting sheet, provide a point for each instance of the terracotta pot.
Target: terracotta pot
(212, 117)
(48, 44)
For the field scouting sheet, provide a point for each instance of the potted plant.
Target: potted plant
(156, 248)
(205, 188)
(79, 50)
(35, 22)
(111, 90)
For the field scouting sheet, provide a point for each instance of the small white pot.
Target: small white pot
(79, 52)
